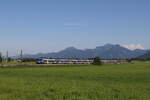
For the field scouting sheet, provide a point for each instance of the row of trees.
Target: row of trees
(7, 59)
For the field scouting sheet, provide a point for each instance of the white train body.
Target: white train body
(63, 61)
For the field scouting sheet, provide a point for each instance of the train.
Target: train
(63, 61)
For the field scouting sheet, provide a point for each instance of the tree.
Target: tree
(9, 59)
(1, 59)
(97, 61)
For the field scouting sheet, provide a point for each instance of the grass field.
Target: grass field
(107, 82)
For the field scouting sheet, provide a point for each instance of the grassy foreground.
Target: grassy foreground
(107, 82)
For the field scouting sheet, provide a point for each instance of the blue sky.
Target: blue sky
(51, 25)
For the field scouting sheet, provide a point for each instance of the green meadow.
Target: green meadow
(76, 82)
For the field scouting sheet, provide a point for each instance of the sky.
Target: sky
(52, 25)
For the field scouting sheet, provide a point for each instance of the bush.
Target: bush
(97, 61)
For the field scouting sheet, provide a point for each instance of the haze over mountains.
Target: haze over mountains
(108, 51)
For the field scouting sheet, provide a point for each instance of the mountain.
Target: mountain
(145, 56)
(107, 51)
(110, 51)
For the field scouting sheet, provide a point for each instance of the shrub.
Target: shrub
(97, 61)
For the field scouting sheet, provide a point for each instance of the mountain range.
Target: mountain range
(108, 51)
(145, 56)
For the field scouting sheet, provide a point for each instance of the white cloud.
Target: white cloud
(133, 46)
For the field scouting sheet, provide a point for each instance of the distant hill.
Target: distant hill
(107, 51)
(145, 56)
